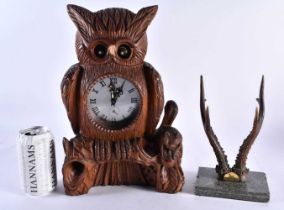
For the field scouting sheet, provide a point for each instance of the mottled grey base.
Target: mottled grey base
(254, 189)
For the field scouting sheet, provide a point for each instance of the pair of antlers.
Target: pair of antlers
(239, 171)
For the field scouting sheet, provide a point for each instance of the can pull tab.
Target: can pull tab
(30, 134)
(33, 131)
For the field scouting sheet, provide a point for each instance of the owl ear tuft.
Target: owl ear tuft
(141, 21)
(83, 19)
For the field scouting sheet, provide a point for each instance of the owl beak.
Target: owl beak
(111, 50)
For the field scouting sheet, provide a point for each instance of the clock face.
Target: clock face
(113, 102)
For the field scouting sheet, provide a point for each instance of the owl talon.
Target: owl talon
(170, 145)
(169, 179)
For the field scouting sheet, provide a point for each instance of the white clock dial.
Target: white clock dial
(113, 102)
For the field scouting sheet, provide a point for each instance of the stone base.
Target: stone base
(254, 189)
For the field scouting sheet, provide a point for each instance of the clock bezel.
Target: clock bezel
(112, 125)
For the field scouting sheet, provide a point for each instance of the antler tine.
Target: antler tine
(202, 100)
(240, 163)
(260, 100)
(223, 167)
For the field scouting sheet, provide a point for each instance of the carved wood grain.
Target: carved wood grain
(140, 153)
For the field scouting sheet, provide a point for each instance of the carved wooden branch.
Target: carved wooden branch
(239, 171)
(171, 110)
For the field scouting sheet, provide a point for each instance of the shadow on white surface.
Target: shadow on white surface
(188, 187)
(105, 190)
(190, 177)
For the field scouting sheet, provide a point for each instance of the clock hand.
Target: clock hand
(116, 93)
(120, 89)
(113, 98)
(112, 90)
(111, 87)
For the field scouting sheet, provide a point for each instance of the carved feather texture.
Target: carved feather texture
(141, 21)
(112, 24)
(154, 83)
(113, 21)
(83, 19)
(70, 86)
(116, 22)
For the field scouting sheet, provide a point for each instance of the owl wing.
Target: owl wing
(70, 90)
(155, 98)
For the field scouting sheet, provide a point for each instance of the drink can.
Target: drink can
(36, 154)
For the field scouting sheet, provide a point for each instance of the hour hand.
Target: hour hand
(113, 98)
(112, 91)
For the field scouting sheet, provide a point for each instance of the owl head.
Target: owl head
(112, 35)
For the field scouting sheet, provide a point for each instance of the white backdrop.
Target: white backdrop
(232, 43)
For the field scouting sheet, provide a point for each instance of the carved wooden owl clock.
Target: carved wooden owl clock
(114, 101)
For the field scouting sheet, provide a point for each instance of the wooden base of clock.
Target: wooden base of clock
(154, 161)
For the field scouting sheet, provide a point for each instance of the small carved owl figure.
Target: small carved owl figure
(114, 101)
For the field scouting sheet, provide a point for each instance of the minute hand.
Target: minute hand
(119, 90)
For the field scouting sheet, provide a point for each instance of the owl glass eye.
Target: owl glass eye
(100, 51)
(124, 51)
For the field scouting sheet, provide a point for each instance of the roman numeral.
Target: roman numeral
(104, 117)
(131, 90)
(130, 109)
(94, 90)
(134, 100)
(103, 83)
(93, 101)
(113, 119)
(113, 80)
(96, 110)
